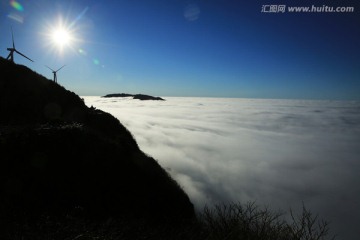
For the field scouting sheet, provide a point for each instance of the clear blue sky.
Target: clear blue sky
(214, 48)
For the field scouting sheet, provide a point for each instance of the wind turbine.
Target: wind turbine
(54, 72)
(10, 57)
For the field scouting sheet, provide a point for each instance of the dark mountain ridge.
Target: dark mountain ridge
(58, 155)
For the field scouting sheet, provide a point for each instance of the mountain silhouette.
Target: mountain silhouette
(135, 96)
(58, 156)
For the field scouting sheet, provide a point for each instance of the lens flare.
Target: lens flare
(96, 61)
(16, 17)
(16, 5)
(82, 52)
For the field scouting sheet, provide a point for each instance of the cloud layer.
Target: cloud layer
(277, 152)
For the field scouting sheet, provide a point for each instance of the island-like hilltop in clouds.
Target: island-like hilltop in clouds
(134, 96)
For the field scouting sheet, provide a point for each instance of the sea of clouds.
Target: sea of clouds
(280, 153)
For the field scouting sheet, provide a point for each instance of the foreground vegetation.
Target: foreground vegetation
(231, 221)
(236, 221)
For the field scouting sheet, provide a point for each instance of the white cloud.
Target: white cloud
(277, 152)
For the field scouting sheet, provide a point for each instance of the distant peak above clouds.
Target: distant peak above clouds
(135, 96)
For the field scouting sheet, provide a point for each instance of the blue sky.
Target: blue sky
(212, 48)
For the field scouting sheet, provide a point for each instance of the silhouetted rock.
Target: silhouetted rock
(147, 97)
(118, 95)
(58, 155)
(135, 96)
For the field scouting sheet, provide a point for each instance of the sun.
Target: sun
(61, 37)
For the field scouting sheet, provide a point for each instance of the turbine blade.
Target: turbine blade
(49, 68)
(12, 35)
(23, 55)
(60, 68)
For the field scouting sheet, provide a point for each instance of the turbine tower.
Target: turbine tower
(10, 57)
(54, 72)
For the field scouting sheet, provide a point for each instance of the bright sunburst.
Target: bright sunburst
(61, 37)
